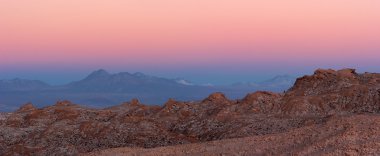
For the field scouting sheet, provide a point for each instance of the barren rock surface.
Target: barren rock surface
(343, 135)
(329, 112)
(4, 116)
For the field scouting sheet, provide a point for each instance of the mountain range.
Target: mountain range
(327, 113)
(101, 89)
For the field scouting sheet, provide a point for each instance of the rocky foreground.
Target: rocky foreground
(337, 135)
(329, 112)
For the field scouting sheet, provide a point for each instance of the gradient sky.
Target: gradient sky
(217, 41)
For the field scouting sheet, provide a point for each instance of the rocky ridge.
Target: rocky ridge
(68, 129)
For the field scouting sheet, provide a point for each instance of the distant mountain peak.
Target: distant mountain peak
(98, 73)
(139, 74)
(283, 79)
(22, 84)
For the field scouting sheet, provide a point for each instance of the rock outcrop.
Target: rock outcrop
(27, 107)
(312, 115)
(330, 91)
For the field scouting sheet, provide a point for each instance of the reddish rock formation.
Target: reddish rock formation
(261, 102)
(216, 97)
(330, 91)
(313, 115)
(27, 107)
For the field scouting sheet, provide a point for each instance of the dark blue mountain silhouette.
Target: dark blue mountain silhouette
(102, 89)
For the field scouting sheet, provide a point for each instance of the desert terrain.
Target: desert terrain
(327, 113)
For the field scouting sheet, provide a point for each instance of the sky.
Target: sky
(205, 41)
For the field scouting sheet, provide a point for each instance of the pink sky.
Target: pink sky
(167, 33)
